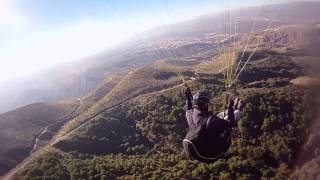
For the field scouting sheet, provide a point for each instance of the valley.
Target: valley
(125, 117)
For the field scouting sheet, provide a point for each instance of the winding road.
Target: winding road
(34, 152)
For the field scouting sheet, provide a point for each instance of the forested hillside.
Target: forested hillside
(132, 122)
(19, 128)
(141, 138)
(192, 39)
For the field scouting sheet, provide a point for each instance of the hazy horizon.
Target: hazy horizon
(41, 35)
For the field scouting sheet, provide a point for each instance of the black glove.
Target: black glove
(187, 93)
(229, 100)
(237, 104)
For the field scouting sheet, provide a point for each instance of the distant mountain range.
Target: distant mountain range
(78, 78)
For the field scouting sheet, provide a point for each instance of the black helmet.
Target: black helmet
(201, 98)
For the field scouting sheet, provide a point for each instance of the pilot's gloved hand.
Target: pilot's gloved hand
(238, 104)
(230, 99)
(187, 93)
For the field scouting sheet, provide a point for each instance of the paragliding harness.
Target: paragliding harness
(207, 145)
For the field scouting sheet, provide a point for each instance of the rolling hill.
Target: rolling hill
(19, 128)
(130, 126)
(80, 77)
(141, 138)
(149, 126)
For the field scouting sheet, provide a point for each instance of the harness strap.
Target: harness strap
(198, 154)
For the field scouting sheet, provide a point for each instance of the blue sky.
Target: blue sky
(38, 34)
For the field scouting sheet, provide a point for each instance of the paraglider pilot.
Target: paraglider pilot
(209, 136)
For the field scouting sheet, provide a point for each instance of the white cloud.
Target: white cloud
(9, 18)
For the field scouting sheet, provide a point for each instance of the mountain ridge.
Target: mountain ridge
(79, 83)
(125, 109)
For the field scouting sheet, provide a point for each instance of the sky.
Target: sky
(39, 34)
